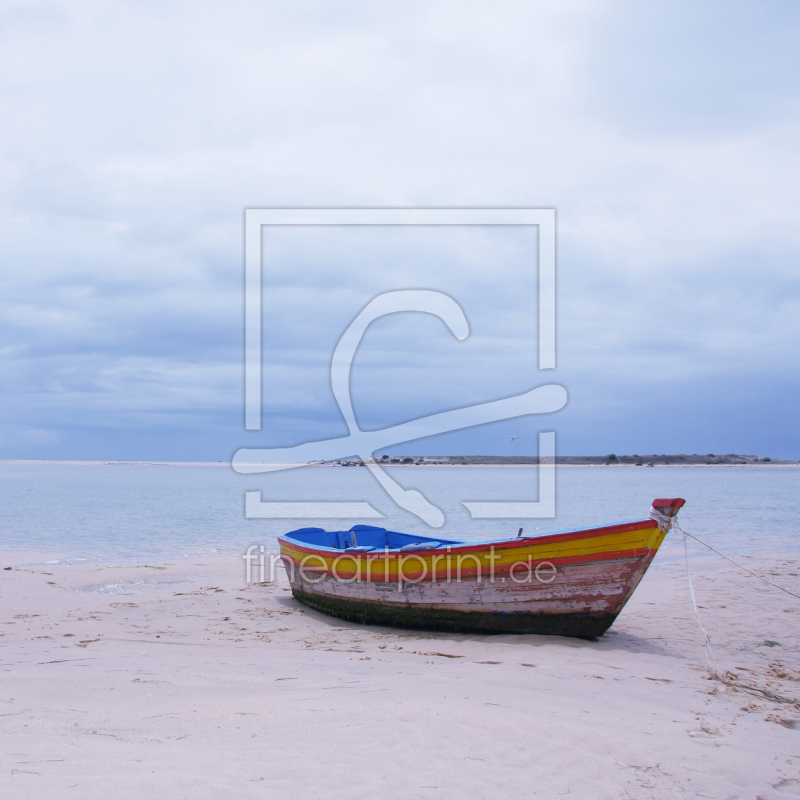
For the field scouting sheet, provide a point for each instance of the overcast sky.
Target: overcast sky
(134, 135)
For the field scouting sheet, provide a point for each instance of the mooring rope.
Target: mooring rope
(667, 523)
(712, 662)
(755, 575)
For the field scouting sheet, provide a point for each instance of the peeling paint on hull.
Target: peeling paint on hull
(583, 600)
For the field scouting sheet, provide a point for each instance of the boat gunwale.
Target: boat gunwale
(501, 544)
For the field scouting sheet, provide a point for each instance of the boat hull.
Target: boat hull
(569, 584)
(582, 626)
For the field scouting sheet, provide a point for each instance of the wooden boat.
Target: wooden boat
(571, 583)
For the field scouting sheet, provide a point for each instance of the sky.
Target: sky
(134, 134)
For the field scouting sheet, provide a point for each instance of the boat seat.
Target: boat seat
(421, 546)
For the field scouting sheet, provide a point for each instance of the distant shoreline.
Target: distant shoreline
(681, 460)
(730, 460)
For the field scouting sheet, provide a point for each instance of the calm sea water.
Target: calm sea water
(114, 512)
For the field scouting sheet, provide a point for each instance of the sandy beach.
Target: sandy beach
(180, 680)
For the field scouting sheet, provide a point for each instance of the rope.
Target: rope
(755, 575)
(665, 523)
(662, 520)
(709, 653)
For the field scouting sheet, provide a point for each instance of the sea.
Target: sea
(114, 512)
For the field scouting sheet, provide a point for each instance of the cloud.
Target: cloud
(694, 70)
(136, 133)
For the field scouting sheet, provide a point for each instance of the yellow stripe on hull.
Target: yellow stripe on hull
(381, 565)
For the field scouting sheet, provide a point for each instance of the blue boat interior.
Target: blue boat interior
(365, 538)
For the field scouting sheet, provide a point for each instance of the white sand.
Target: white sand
(186, 683)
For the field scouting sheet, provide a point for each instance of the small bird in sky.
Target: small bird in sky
(511, 439)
